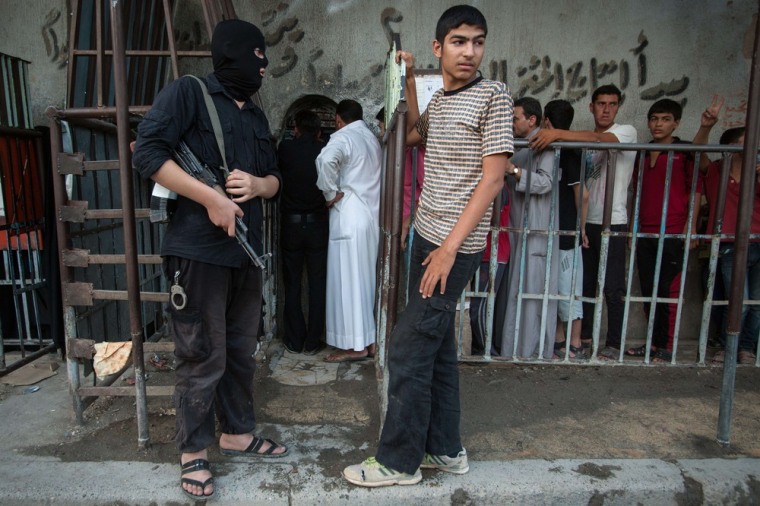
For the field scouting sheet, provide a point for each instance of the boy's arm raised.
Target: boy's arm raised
(706, 122)
(413, 114)
(441, 259)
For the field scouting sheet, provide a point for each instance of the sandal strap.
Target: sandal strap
(663, 354)
(195, 465)
(198, 483)
(256, 444)
(580, 351)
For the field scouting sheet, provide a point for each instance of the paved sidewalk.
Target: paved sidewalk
(535, 435)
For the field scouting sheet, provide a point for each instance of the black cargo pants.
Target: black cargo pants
(214, 342)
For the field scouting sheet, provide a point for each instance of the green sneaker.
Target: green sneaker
(372, 473)
(456, 465)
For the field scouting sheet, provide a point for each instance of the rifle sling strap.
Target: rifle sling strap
(215, 124)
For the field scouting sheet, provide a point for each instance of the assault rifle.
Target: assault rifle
(190, 164)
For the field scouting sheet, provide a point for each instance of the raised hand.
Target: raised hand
(711, 114)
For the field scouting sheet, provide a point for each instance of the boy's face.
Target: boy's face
(604, 109)
(662, 125)
(460, 55)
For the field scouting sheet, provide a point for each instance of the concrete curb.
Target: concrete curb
(656, 482)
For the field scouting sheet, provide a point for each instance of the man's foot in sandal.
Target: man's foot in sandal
(640, 351)
(662, 356)
(579, 353)
(608, 353)
(346, 356)
(196, 480)
(248, 445)
(575, 352)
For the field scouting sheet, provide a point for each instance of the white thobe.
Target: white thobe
(350, 163)
(533, 195)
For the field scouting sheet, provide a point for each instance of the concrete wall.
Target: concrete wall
(684, 49)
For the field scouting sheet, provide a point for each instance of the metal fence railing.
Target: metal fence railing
(698, 304)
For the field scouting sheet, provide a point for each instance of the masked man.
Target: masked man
(215, 331)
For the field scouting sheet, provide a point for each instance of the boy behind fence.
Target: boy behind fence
(663, 118)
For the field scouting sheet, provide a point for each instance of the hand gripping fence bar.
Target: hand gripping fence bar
(190, 164)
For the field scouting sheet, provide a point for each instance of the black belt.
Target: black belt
(305, 218)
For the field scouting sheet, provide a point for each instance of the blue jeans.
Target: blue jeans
(423, 391)
(750, 314)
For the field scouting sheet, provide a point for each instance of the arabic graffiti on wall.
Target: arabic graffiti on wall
(580, 78)
(56, 47)
(282, 29)
(540, 76)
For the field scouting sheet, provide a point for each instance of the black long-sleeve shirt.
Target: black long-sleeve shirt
(296, 158)
(179, 113)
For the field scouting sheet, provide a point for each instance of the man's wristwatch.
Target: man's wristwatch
(515, 170)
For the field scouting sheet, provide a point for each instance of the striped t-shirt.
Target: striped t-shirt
(459, 128)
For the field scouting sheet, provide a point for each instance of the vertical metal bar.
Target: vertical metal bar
(228, 9)
(25, 95)
(720, 207)
(170, 37)
(72, 63)
(64, 242)
(130, 252)
(386, 182)
(14, 262)
(493, 265)
(577, 239)
(609, 192)
(10, 97)
(208, 17)
(397, 209)
(654, 299)
(2, 338)
(391, 225)
(634, 228)
(523, 251)
(686, 250)
(5, 74)
(741, 242)
(99, 73)
(412, 210)
(551, 229)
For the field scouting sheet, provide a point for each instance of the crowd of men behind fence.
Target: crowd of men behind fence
(659, 222)
(566, 197)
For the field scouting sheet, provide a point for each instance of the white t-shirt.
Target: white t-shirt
(596, 177)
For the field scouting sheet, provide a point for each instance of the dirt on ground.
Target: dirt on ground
(508, 412)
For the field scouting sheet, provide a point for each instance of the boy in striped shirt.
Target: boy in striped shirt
(467, 130)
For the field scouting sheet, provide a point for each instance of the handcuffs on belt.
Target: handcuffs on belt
(177, 295)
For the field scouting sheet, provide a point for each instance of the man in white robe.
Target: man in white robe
(349, 176)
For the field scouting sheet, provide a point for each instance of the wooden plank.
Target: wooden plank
(80, 348)
(151, 391)
(71, 163)
(123, 295)
(159, 347)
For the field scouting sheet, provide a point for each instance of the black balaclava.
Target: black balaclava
(235, 64)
